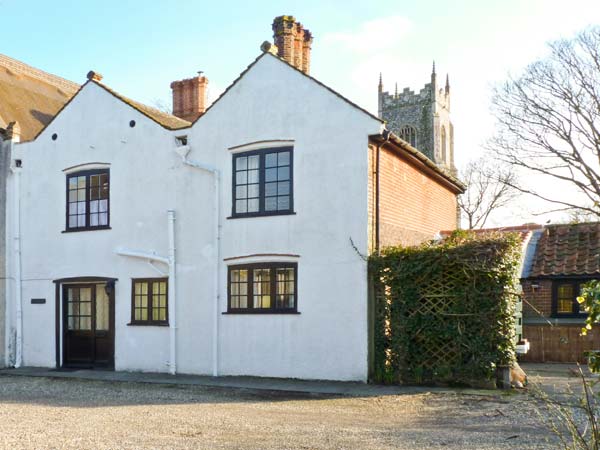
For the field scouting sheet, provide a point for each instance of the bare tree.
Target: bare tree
(488, 189)
(549, 123)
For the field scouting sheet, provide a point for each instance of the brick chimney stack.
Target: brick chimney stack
(189, 97)
(293, 42)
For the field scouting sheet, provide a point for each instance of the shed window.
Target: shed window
(564, 297)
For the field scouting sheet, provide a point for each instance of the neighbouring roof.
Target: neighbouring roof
(30, 96)
(524, 231)
(567, 250)
(162, 118)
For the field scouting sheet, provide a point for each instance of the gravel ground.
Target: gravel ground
(40, 413)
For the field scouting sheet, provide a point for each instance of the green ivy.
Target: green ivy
(590, 303)
(444, 312)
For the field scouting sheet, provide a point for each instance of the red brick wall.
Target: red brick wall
(539, 299)
(413, 206)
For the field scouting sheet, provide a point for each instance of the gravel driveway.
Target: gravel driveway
(40, 413)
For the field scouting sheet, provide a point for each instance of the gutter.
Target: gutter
(417, 158)
(183, 151)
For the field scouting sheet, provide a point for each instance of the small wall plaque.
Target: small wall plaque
(38, 301)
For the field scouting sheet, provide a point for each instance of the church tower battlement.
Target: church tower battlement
(422, 119)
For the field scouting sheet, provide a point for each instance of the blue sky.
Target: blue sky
(141, 46)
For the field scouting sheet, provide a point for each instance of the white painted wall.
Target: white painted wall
(327, 340)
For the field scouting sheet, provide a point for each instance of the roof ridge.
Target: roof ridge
(25, 69)
(135, 102)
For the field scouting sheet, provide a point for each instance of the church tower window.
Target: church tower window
(409, 134)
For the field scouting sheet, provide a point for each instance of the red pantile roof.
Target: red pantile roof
(566, 250)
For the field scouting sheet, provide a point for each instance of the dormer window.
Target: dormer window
(88, 200)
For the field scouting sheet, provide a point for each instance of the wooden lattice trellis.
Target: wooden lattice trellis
(443, 314)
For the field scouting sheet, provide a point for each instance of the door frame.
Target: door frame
(60, 322)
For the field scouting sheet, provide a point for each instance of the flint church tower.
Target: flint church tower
(422, 119)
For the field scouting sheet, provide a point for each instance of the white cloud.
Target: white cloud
(377, 34)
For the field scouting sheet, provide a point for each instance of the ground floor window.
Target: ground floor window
(263, 288)
(564, 297)
(149, 304)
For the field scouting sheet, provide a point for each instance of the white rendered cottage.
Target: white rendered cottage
(230, 246)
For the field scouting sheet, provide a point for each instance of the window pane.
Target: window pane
(81, 183)
(565, 306)
(241, 206)
(565, 299)
(283, 203)
(241, 192)
(252, 176)
(270, 175)
(241, 177)
(81, 221)
(253, 205)
(102, 308)
(73, 183)
(103, 219)
(94, 206)
(72, 196)
(285, 288)
(271, 204)
(284, 159)
(81, 195)
(241, 163)
(103, 205)
(270, 189)
(253, 162)
(262, 288)
(253, 191)
(271, 160)
(283, 173)
(283, 188)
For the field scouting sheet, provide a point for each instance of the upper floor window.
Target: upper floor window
(262, 182)
(564, 297)
(88, 200)
(263, 288)
(409, 134)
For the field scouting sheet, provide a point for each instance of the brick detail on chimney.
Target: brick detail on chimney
(293, 42)
(189, 97)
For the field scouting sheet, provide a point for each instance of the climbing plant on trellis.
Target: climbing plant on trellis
(444, 312)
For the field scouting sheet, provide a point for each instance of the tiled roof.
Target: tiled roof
(30, 96)
(162, 118)
(565, 250)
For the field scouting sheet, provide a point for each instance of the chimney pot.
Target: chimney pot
(293, 42)
(189, 97)
(94, 76)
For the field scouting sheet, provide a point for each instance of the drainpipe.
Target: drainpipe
(16, 171)
(386, 137)
(183, 151)
(171, 262)
(172, 295)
